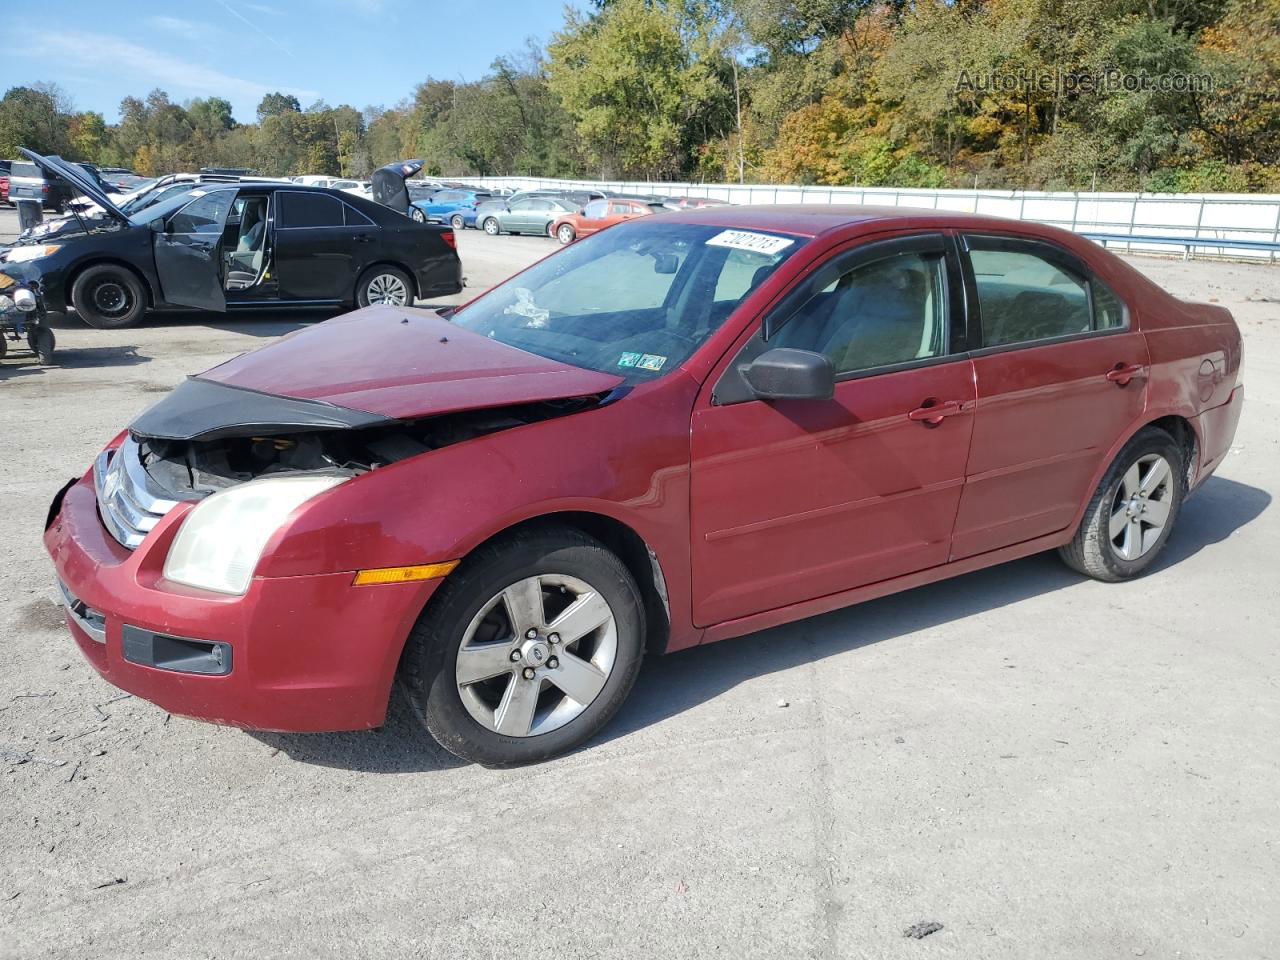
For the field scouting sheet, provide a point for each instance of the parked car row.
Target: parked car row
(220, 242)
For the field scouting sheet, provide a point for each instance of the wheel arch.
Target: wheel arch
(403, 267)
(73, 274)
(635, 553)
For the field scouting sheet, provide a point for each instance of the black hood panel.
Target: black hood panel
(204, 410)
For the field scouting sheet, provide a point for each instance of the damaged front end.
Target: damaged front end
(207, 437)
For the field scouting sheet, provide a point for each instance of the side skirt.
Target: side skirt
(847, 598)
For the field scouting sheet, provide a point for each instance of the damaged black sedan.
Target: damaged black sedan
(236, 246)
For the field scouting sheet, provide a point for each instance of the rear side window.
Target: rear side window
(1108, 309)
(874, 315)
(1022, 297)
(309, 210)
(355, 218)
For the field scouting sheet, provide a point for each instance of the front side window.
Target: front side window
(876, 314)
(596, 210)
(310, 210)
(636, 300)
(206, 214)
(1022, 296)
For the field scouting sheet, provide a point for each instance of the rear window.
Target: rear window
(26, 170)
(310, 210)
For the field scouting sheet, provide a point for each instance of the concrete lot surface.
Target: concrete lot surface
(1045, 765)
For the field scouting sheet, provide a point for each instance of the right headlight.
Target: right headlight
(24, 299)
(223, 537)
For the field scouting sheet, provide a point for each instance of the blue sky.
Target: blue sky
(359, 52)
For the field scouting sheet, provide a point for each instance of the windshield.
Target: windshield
(636, 300)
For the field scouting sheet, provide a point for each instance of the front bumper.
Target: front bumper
(303, 654)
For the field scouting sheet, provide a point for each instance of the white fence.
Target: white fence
(1210, 216)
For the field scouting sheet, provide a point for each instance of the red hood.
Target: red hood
(404, 364)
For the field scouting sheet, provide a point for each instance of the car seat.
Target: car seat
(245, 263)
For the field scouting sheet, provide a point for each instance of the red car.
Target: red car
(597, 215)
(4, 189)
(683, 429)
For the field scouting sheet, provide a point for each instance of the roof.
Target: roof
(809, 220)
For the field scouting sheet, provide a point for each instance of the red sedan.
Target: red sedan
(683, 429)
(597, 215)
(4, 189)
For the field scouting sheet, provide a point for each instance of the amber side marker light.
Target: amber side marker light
(430, 571)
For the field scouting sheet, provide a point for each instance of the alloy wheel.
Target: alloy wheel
(1140, 509)
(565, 234)
(536, 655)
(418, 215)
(491, 227)
(458, 223)
(389, 289)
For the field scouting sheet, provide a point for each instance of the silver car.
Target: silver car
(526, 215)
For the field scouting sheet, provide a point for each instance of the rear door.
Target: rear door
(1061, 376)
(188, 252)
(319, 243)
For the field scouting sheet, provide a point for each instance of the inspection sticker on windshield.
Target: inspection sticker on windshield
(746, 240)
(651, 361)
(629, 359)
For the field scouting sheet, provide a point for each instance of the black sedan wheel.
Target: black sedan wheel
(108, 297)
(527, 649)
(491, 227)
(387, 285)
(417, 214)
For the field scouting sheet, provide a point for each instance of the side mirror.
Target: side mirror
(157, 225)
(787, 374)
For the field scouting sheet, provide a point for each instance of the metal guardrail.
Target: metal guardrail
(1161, 219)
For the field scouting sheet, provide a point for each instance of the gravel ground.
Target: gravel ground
(1044, 765)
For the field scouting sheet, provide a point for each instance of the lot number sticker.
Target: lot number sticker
(746, 240)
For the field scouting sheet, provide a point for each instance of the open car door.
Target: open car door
(188, 250)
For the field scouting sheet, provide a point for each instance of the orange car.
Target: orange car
(597, 215)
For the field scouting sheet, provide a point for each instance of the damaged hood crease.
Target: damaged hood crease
(374, 367)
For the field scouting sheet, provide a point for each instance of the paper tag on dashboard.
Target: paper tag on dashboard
(746, 240)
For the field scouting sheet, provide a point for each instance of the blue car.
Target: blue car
(454, 207)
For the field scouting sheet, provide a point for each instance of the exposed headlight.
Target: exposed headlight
(24, 300)
(5, 303)
(223, 537)
(33, 252)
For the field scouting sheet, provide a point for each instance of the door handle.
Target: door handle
(1122, 373)
(932, 412)
(363, 238)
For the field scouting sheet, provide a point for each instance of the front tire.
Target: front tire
(527, 650)
(417, 215)
(385, 285)
(108, 297)
(1132, 513)
(565, 234)
(42, 342)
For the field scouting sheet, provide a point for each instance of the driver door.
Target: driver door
(188, 252)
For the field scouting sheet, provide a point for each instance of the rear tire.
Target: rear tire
(1132, 513)
(108, 297)
(491, 227)
(477, 609)
(457, 222)
(386, 285)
